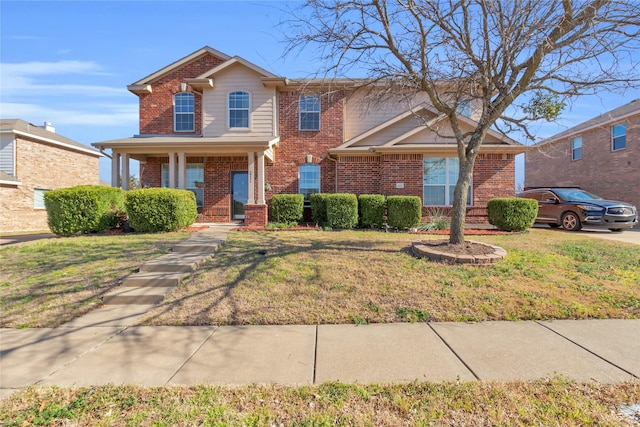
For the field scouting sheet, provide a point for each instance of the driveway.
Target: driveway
(626, 236)
(18, 238)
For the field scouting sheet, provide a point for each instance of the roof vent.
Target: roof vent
(47, 126)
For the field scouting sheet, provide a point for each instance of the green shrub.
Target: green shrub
(287, 208)
(371, 207)
(404, 211)
(83, 209)
(319, 208)
(342, 210)
(512, 213)
(160, 209)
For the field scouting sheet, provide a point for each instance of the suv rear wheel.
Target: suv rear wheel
(571, 221)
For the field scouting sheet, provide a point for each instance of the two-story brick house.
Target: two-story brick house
(33, 160)
(601, 155)
(236, 134)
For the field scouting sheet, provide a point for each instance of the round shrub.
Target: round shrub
(512, 213)
(161, 209)
(318, 203)
(287, 208)
(371, 207)
(342, 210)
(404, 211)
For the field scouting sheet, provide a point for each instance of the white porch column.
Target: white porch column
(125, 171)
(252, 171)
(172, 170)
(115, 169)
(182, 171)
(261, 200)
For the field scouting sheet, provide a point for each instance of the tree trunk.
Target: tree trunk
(459, 211)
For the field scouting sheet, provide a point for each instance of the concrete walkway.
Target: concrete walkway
(104, 347)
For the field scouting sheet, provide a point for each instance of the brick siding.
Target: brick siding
(45, 167)
(609, 174)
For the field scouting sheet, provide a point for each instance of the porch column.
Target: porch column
(172, 170)
(261, 199)
(125, 171)
(252, 169)
(115, 169)
(182, 171)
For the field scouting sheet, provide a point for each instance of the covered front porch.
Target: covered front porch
(227, 176)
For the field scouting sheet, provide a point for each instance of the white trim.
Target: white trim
(5, 182)
(447, 185)
(614, 150)
(236, 128)
(53, 141)
(319, 112)
(601, 125)
(193, 113)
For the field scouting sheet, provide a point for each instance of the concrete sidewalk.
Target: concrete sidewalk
(584, 350)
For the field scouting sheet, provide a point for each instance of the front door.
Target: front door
(239, 193)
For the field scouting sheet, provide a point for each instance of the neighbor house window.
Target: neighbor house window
(440, 175)
(183, 111)
(308, 180)
(464, 107)
(194, 181)
(618, 137)
(238, 110)
(576, 148)
(38, 198)
(310, 112)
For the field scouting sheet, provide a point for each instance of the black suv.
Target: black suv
(572, 208)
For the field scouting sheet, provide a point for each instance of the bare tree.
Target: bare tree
(516, 61)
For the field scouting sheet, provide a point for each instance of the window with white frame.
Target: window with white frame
(576, 148)
(38, 198)
(184, 112)
(238, 110)
(440, 176)
(618, 137)
(194, 181)
(308, 180)
(309, 112)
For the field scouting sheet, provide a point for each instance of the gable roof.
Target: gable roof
(398, 143)
(22, 128)
(610, 117)
(236, 60)
(179, 63)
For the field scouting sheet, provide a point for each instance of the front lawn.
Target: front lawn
(314, 277)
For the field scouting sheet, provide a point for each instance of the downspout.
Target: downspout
(104, 154)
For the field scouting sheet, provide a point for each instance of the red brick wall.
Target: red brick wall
(45, 167)
(156, 108)
(610, 174)
(404, 169)
(359, 175)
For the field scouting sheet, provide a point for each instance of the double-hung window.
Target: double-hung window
(308, 180)
(576, 148)
(38, 198)
(440, 176)
(238, 110)
(183, 112)
(309, 112)
(618, 137)
(194, 181)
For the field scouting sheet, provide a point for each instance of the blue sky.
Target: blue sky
(69, 62)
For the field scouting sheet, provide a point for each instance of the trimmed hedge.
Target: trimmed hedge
(160, 209)
(342, 210)
(83, 209)
(287, 208)
(404, 211)
(319, 208)
(371, 208)
(512, 213)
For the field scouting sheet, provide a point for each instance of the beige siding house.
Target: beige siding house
(33, 160)
(601, 155)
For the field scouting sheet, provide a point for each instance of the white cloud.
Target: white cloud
(99, 115)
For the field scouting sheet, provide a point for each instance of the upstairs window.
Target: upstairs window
(309, 112)
(238, 110)
(576, 148)
(183, 111)
(618, 137)
(308, 180)
(440, 176)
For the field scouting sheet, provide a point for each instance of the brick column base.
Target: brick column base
(255, 215)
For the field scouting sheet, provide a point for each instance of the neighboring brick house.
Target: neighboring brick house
(33, 160)
(236, 134)
(601, 155)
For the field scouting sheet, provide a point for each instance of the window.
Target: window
(183, 109)
(576, 148)
(238, 110)
(439, 178)
(308, 180)
(195, 176)
(309, 112)
(464, 107)
(618, 137)
(38, 198)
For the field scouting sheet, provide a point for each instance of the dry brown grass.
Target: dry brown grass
(314, 277)
(553, 402)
